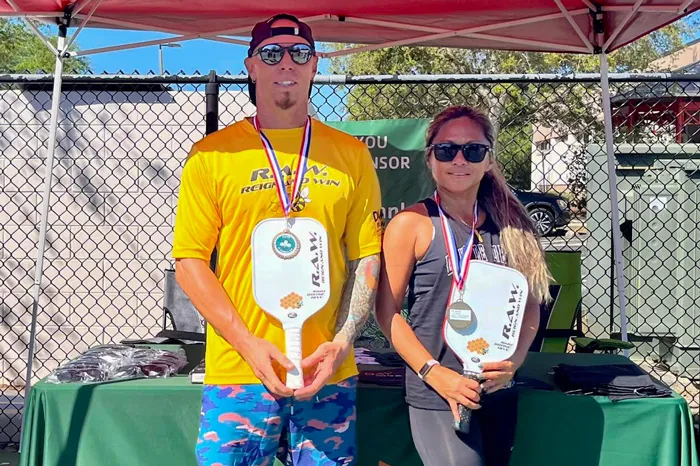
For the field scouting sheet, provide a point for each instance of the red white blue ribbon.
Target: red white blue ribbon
(459, 262)
(302, 164)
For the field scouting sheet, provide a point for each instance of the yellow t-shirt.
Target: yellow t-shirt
(227, 188)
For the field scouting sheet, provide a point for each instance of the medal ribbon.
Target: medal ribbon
(302, 163)
(459, 263)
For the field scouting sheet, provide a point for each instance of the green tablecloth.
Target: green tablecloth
(582, 430)
(154, 422)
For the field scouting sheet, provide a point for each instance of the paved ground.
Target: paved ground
(11, 404)
(9, 458)
(573, 243)
(570, 239)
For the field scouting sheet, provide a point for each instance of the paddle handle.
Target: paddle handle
(465, 414)
(295, 377)
(465, 417)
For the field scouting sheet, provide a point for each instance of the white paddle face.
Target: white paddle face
(487, 326)
(291, 278)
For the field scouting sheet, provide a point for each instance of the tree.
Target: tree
(516, 109)
(21, 51)
(426, 60)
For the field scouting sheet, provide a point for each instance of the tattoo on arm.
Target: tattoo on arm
(358, 299)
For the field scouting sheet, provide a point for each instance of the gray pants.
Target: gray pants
(437, 442)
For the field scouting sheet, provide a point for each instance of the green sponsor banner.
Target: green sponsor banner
(397, 147)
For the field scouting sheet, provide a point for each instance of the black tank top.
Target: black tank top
(429, 289)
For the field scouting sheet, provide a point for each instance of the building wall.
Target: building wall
(552, 156)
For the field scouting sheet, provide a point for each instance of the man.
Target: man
(227, 189)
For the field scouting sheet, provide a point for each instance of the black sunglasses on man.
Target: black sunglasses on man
(272, 54)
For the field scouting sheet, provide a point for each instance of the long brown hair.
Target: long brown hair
(518, 234)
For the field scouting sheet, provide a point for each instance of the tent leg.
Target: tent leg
(615, 208)
(48, 181)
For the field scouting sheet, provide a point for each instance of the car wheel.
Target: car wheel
(543, 219)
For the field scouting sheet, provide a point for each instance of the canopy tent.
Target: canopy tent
(527, 25)
(571, 26)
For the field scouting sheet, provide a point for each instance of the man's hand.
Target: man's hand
(356, 305)
(261, 355)
(327, 359)
(209, 297)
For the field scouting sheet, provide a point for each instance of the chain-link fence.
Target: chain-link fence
(122, 142)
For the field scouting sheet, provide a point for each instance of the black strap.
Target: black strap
(434, 214)
(431, 207)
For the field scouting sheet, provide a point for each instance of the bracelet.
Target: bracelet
(423, 372)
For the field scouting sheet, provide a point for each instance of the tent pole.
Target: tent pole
(48, 181)
(612, 181)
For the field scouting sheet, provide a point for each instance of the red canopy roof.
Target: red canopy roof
(532, 25)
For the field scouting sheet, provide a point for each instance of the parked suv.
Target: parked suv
(547, 211)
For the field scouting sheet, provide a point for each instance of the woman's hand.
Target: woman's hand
(455, 388)
(497, 375)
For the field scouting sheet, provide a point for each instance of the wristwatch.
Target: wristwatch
(423, 372)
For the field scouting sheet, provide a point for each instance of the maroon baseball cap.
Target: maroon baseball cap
(265, 30)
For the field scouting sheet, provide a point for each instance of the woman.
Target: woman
(458, 153)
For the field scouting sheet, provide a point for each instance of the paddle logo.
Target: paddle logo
(479, 346)
(516, 297)
(292, 301)
(316, 250)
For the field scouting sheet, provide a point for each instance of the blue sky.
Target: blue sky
(195, 55)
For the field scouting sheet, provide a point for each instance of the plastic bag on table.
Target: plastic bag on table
(80, 371)
(126, 372)
(115, 355)
(159, 363)
(86, 360)
(154, 370)
(119, 362)
(142, 356)
(94, 366)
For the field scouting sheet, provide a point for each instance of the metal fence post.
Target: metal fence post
(212, 100)
(212, 125)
